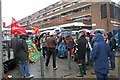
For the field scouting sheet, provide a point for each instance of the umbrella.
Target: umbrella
(65, 34)
(86, 30)
(102, 31)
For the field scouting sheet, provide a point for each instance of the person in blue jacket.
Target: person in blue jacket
(62, 49)
(100, 53)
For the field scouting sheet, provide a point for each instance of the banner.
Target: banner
(36, 30)
(17, 28)
(34, 54)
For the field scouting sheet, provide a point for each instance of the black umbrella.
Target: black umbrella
(65, 34)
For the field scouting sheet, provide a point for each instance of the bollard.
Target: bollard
(42, 65)
(69, 60)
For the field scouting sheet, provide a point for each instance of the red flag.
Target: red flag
(36, 29)
(17, 28)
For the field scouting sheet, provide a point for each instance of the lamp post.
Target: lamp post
(1, 60)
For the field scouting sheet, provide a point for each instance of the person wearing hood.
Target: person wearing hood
(22, 50)
(100, 53)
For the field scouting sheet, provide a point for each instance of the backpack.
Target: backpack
(112, 43)
(19, 45)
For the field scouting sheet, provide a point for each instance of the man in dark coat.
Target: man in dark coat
(22, 49)
(13, 43)
(112, 43)
(82, 42)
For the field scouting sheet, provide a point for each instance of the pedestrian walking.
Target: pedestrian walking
(51, 45)
(58, 39)
(93, 43)
(70, 45)
(62, 49)
(112, 43)
(99, 54)
(36, 41)
(22, 50)
(13, 43)
(82, 42)
(8, 49)
(89, 38)
(44, 45)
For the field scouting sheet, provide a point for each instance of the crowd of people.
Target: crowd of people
(99, 49)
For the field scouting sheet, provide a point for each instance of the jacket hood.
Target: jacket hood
(22, 36)
(110, 35)
(98, 38)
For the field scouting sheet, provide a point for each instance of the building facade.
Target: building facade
(94, 15)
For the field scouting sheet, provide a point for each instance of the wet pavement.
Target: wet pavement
(63, 71)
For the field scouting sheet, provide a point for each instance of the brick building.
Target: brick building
(93, 15)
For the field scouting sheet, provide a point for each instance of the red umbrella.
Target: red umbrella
(86, 30)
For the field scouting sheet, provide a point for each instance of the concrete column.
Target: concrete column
(69, 60)
(42, 65)
(1, 60)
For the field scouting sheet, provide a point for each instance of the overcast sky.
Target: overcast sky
(22, 8)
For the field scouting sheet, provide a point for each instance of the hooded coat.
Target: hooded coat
(22, 49)
(62, 48)
(100, 54)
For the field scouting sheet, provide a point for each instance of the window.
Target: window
(118, 13)
(76, 10)
(54, 17)
(74, 3)
(114, 12)
(79, 1)
(44, 14)
(103, 11)
(68, 5)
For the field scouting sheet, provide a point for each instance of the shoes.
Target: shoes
(84, 73)
(93, 73)
(10, 76)
(22, 77)
(112, 68)
(55, 68)
(46, 66)
(31, 76)
(80, 75)
(87, 63)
